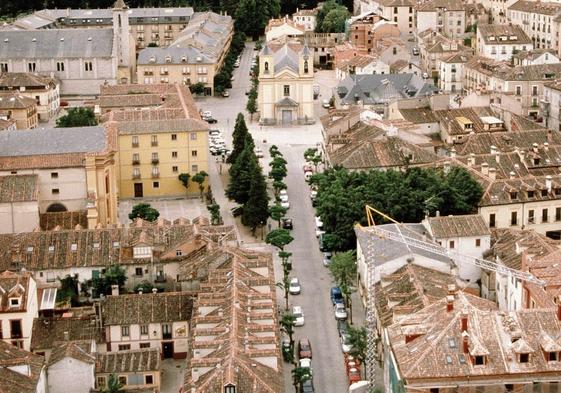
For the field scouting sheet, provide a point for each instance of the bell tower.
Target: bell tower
(121, 34)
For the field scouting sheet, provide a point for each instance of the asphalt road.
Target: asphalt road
(320, 325)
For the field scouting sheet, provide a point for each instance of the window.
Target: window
(54, 175)
(173, 154)
(394, 50)
(31, 67)
(534, 90)
(558, 214)
(544, 215)
(122, 378)
(141, 252)
(513, 218)
(174, 169)
(156, 184)
(544, 192)
(305, 66)
(144, 330)
(530, 194)
(124, 331)
(154, 140)
(88, 66)
(479, 360)
(452, 244)
(266, 65)
(1, 334)
(178, 253)
(136, 158)
(395, 10)
(3, 67)
(229, 388)
(477, 242)
(124, 347)
(194, 168)
(55, 191)
(518, 90)
(155, 171)
(173, 137)
(166, 330)
(155, 158)
(286, 90)
(135, 141)
(531, 218)
(100, 382)
(492, 218)
(14, 302)
(144, 345)
(434, 390)
(138, 271)
(513, 195)
(552, 356)
(59, 66)
(193, 136)
(148, 379)
(136, 173)
(193, 153)
(524, 357)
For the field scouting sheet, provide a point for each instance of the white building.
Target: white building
(71, 367)
(361, 64)
(19, 203)
(284, 27)
(152, 320)
(466, 234)
(18, 308)
(536, 57)
(551, 105)
(451, 72)
(501, 42)
(401, 12)
(306, 18)
(21, 371)
(539, 20)
(447, 17)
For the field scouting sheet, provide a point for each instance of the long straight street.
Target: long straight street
(320, 324)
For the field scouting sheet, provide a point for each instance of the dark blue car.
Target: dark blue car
(336, 295)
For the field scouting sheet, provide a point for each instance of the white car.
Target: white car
(340, 311)
(258, 152)
(294, 287)
(285, 204)
(306, 363)
(298, 315)
(207, 114)
(319, 232)
(283, 193)
(308, 174)
(313, 194)
(345, 345)
(319, 223)
(325, 104)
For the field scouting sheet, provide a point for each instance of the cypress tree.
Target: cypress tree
(239, 136)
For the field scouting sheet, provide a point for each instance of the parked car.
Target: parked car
(307, 364)
(283, 193)
(325, 103)
(307, 168)
(307, 386)
(322, 246)
(285, 204)
(345, 344)
(307, 175)
(286, 223)
(304, 348)
(225, 93)
(247, 90)
(327, 258)
(294, 288)
(336, 295)
(210, 120)
(342, 327)
(214, 133)
(319, 222)
(206, 114)
(340, 311)
(313, 195)
(319, 232)
(425, 75)
(415, 51)
(298, 315)
(258, 152)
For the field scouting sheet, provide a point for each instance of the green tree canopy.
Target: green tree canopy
(144, 211)
(256, 209)
(279, 238)
(77, 117)
(197, 88)
(199, 178)
(407, 196)
(184, 179)
(357, 342)
(239, 137)
(252, 15)
(277, 212)
(241, 174)
(331, 17)
(113, 385)
(114, 275)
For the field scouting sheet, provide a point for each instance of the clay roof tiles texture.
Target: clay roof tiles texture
(18, 188)
(458, 226)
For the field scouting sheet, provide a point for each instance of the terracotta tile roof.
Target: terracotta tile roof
(542, 7)
(508, 244)
(15, 101)
(14, 285)
(536, 72)
(448, 5)
(419, 115)
(6, 124)
(499, 192)
(460, 57)
(135, 361)
(452, 119)
(429, 345)
(77, 350)
(505, 142)
(548, 269)
(235, 336)
(306, 12)
(533, 54)
(101, 247)
(397, 3)
(75, 325)
(274, 23)
(14, 381)
(18, 188)
(503, 34)
(161, 126)
(26, 79)
(458, 226)
(43, 161)
(147, 308)
(408, 290)
(488, 66)
(63, 220)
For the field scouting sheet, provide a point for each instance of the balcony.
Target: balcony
(155, 175)
(164, 73)
(148, 73)
(135, 144)
(136, 176)
(166, 335)
(155, 160)
(135, 162)
(154, 143)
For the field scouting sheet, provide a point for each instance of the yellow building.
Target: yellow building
(158, 143)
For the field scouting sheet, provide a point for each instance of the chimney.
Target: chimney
(494, 149)
(66, 336)
(464, 322)
(535, 147)
(497, 158)
(522, 155)
(493, 173)
(485, 169)
(548, 183)
(512, 175)
(546, 146)
(453, 153)
(450, 303)
(452, 289)
(465, 345)
(140, 291)
(114, 290)
(471, 159)
(437, 214)
(549, 135)
(154, 290)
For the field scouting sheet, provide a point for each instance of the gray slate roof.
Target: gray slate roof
(175, 53)
(286, 58)
(378, 89)
(52, 141)
(56, 43)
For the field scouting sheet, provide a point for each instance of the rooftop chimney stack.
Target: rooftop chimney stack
(450, 303)
(453, 153)
(465, 342)
(548, 183)
(512, 175)
(485, 169)
(471, 159)
(66, 336)
(546, 146)
(535, 147)
(114, 290)
(464, 321)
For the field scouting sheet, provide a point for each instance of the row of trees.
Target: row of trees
(223, 80)
(407, 196)
(251, 106)
(247, 184)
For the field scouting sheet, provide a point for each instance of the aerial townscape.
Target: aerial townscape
(277, 196)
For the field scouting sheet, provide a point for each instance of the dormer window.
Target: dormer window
(229, 388)
(524, 358)
(142, 252)
(551, 356)
(73, 247)
(530, 194)
(30, 249)
(544, 193)
(513, 195)
(536, 161)
(96, 245)
(178, 253)
(14, 302)
(115, 244)
(479, 360)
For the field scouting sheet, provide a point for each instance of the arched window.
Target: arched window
(305, 66)
(266, 67)
(119, 20)
(56, 207)
(394, 50)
